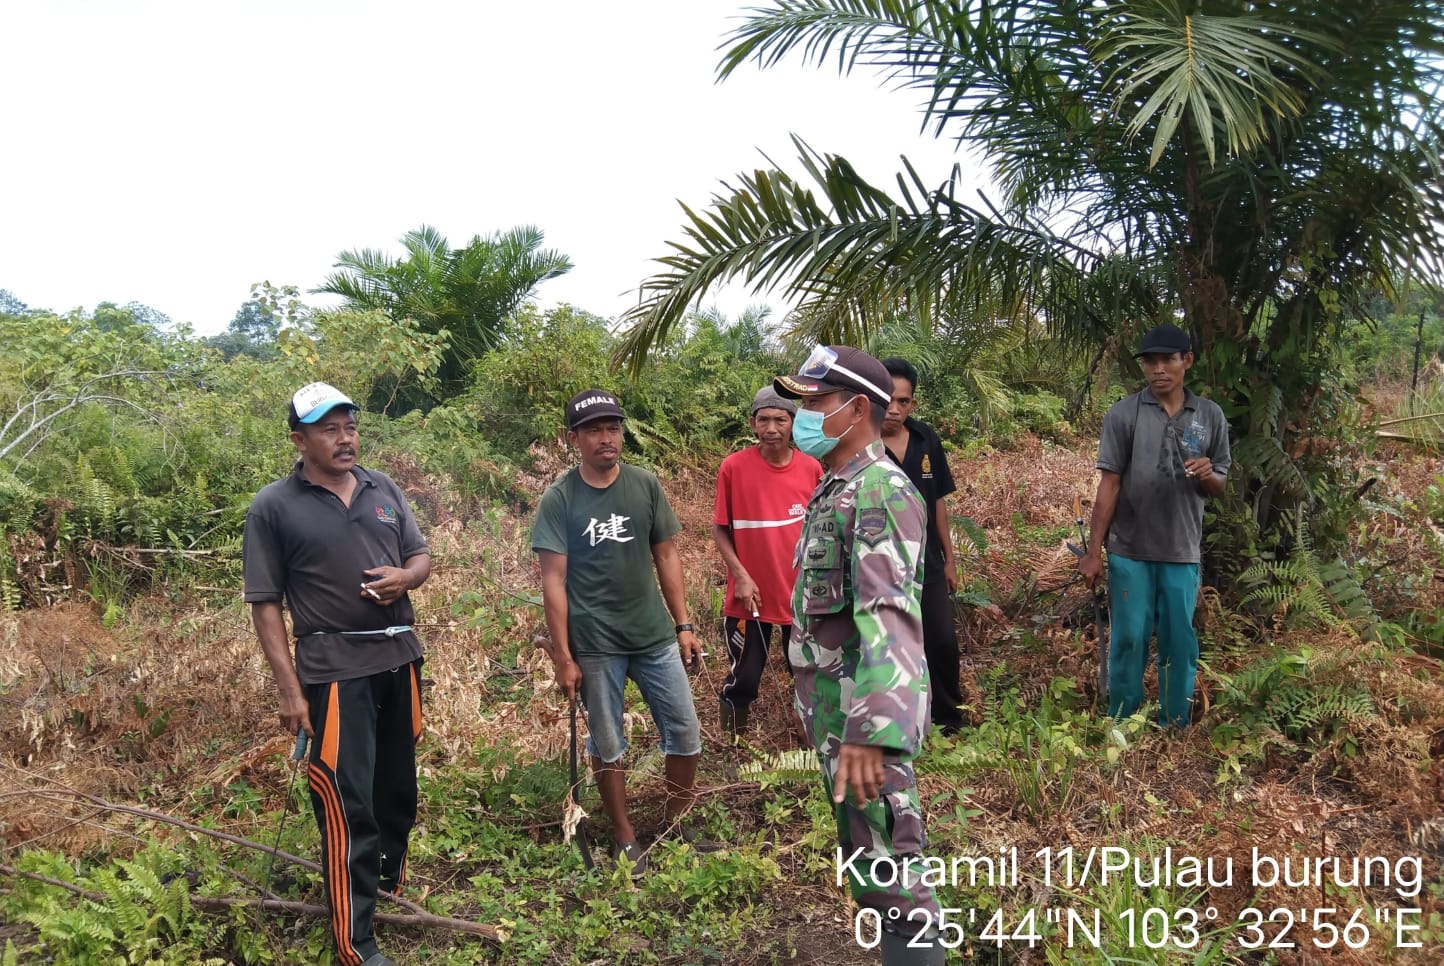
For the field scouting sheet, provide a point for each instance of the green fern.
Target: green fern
(1292, 695)
(73, 929)
(1265, 460)
(9, 590)
(96, 501)
(15, 490)
(142, 526)
(1311, 593)
(143, 915)
(998, 693)
(1308, 713)
(794, 764)
(116, 466)
(1266, 411)
(977, 537)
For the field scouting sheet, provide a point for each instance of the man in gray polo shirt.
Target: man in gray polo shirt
(339, 545)
(1162, 451)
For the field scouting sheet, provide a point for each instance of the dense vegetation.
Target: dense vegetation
(134, 677)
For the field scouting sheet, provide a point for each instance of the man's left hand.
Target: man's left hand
(950, 572)
(691, 649)
(858, 767)
(385, 585)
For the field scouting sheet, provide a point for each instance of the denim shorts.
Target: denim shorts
(664, 685)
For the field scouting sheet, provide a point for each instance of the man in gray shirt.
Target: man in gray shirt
(339, 545)
(1163, 451)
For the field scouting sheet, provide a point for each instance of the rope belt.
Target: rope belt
(391, 631)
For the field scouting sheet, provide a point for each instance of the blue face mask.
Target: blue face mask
(808, 435)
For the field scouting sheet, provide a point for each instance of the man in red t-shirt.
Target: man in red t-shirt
(762, 494)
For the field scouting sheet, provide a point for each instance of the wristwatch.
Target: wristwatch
(684, 627)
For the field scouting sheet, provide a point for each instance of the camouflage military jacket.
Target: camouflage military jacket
(857, 647)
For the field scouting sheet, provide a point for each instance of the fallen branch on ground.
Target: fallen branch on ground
(63, 792)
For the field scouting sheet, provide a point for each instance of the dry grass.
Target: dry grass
(1035, 480)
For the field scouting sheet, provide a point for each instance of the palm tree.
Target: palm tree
(465, 292)
(1251, 166)
(748, 337)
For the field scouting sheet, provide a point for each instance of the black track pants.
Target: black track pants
(940, 645)
(747, 645)
(363, 791)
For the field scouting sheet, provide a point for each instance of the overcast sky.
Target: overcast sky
(174, 153)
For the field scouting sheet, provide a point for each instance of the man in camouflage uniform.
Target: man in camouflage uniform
(861, 678)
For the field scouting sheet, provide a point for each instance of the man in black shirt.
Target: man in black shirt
(340, 546)
(916, 448)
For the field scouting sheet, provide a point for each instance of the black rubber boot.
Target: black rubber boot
(897, 952)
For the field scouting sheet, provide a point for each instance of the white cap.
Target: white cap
(314, 400)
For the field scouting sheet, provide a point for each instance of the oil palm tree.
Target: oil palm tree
(467, 292)
(1251, 166)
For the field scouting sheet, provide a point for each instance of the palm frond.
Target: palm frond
(1222, 74)
(849, 252)
(467, 293)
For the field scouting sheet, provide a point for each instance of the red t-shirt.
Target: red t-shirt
(764, 505)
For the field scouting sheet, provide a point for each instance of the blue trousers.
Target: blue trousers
(1148, 597)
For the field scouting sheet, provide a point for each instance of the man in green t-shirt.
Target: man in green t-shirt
(600, 531)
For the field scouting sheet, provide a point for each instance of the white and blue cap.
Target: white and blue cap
(314, 400)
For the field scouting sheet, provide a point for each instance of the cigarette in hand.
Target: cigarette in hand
(371, 592)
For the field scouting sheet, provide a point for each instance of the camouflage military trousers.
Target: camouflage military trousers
(880, 847)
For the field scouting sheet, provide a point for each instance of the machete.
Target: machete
(1098, 628)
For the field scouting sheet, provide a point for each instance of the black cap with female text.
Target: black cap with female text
(590, 405)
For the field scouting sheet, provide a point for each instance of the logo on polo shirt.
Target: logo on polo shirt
(386, 512)
(927, 464)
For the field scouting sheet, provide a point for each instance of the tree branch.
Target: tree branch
(83, 393)
(64, 792)
(423, 919)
